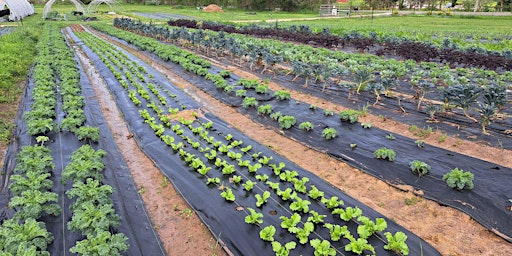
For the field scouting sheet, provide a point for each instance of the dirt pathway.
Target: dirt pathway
(179, 228)
(448, 230)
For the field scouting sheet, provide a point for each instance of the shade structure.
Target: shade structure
(18, 8)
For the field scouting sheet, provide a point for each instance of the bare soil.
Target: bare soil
(448, 230)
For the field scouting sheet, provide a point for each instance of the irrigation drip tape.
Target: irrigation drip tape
(135, 222)
(226, 219)
(487, 203)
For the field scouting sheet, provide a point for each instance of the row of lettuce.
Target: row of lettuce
(436, 89)
(56, 79)
(227, 164)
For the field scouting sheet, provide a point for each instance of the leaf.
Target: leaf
(267, 233)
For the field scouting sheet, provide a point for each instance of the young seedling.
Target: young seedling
(418, 167)
(385, 153)
(306, 126)
(329, 133)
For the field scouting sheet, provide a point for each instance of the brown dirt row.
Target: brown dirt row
(178, 226)
(448, 230)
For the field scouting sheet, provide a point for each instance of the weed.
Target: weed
(412, 201)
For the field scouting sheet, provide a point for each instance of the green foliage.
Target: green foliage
(369, 227)
(329, 133)
(300, 205)
(322, 248)
(228, 195)
(102, 243)
(348, 213)
(282, 95)
(459, 179)
(366, 125)
(289, 223)
(265, 109)
(249, 102)
(420, 143)
(397, 243)
(254, 217)
(349, 115)
(32, 204)
(85, 162)
(90, 191)
(286, 122)
(267, 233)
(215, 181)
(336, 231)
(304, 232)
(88, 133)
(332, 202)
(281, 250)
(306, 126)
(385, 153)
(16, 237)
(314, 193)
(248, 185)
(418, 167)
(262, 199)
(316, 217)
(89, 218)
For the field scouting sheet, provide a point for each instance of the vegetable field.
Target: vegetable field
(240, 120)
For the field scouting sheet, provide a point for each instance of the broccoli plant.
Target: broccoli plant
(459, 179)
(418, 167)
(329, 133)
(385, 153)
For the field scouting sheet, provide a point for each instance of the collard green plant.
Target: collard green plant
(385, 153)
(459, 179)
(418, 167)
(329, 133)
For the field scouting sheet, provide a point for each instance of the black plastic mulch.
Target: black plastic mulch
(135, 222)
(221, 217)
(488, 203)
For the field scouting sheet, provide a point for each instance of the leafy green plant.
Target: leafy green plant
(262, 177)
(248, 185)
(290, 223)
(420, 143)
(385, 153)
(228, 195)
(262, 199)
(300, 184)
(304, 232)
(418, 167)
(459, 179)
(358, 245)
(348, 213)
(369, 227)
(267, 233)
(336, 231)
(315, 193)
(102, 243)
(281, 250)
(18, 237)
(215, 181)
(397, 243)
(300, 205)
(265, 109)
(276, 115)
(329, 133)
(390, 136)
(349, 115)
(241, 93)
(254, 217)
(306, 126)
(286, 122)
(328, 112)
(282, 95)
(89, 218)
(332, 202)
(237, 179)
(322, 248)
(249, 102)
(316, 217)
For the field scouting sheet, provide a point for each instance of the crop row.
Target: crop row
(31, 189)
(287, 120)
(359, 39)
(93, 211)
(464, 89)
(204, 152)
(395, 46)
